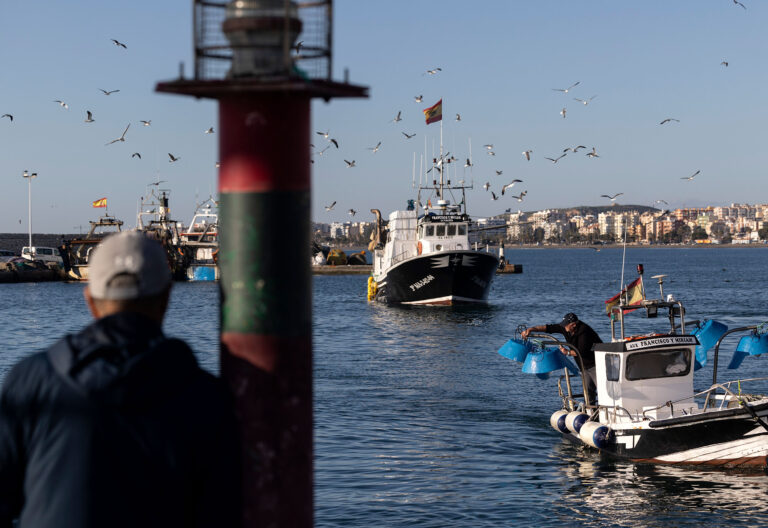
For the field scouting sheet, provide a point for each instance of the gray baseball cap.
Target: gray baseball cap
(128, 265)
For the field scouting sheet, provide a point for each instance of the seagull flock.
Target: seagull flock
(89, 116)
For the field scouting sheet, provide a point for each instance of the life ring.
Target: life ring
(418, 248)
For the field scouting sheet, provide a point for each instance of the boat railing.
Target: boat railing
(401, 256)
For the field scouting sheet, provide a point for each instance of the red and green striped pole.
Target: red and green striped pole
(266, 312)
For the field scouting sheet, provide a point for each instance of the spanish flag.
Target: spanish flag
(101, 202)
(434, 113)
(632, 295)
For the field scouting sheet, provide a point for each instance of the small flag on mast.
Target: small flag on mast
(434, 113)
(101, 202)
(632, 295)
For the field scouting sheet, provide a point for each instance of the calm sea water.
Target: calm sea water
(419, 422)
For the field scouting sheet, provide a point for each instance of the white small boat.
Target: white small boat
(647, 410)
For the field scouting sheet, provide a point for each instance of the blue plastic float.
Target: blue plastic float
(749, 345)
(543, 361)
(516, 349)
(708, 334)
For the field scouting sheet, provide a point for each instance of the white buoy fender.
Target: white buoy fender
(557, 421)
(596, 434)
(574, 420)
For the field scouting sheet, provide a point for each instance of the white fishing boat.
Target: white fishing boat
(201, 240)
(422, 255)
(647, 409)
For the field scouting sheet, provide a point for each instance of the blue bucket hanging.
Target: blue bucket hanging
(708, 335)
(749, 345)
(543, 361)
(516, 349)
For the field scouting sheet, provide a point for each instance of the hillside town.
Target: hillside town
(733, 224)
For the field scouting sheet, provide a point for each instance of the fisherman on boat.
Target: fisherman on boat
(582, 337)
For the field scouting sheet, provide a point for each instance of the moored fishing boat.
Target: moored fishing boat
(647, 409)
(201, 241)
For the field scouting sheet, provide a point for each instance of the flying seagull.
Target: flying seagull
(565, 90)
(573, 149)
(397, 117)
(611, 198)
(119, 44)
(320, 152)
(489, 146)
(157, 183)
(487, 186)
(724, 63)
(739, 4)
(458, 117)
(330, 207)
(555, 160)
(350, 164)
(136, 155)
(172, 158)
(510, 185)
(434, 71)
(592, 154)
(691, 177)
(498, 172)
(409, 136)
(108, 92)
(667, 120)
(418, 98)
(661, 201)
(562, 112)
(209, 131)
(62, 104)
(297, 47)
(527, 154)
(352, 212)
(520, 197)
(468, 163)
(493, 196)
(585, 102)
(9, 116)
(375, 149)
(89, 118)
(491, 153)
(335, 143)
(122, 136)
(146, 123)
(324, 134)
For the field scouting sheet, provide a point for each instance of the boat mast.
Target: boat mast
(442, 165)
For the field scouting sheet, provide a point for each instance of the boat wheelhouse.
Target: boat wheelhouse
(201, 241)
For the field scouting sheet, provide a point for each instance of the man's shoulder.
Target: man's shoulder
(28, 374)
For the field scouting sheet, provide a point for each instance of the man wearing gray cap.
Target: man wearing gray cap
(117, 425)
(582, 337)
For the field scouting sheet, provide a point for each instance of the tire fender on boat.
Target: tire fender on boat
(596, 434)
(574, 420)
(557, 421)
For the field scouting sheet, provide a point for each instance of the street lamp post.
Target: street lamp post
(29, 177)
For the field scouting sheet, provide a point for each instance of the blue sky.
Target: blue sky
(500, 60)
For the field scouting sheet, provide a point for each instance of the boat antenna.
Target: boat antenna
(413, 171)
(624, 254)
(442, 165)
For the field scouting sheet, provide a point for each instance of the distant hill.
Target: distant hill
(595, 210)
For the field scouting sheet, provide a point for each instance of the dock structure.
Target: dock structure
(264, 181)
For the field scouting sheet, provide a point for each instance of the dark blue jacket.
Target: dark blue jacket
(116, 426)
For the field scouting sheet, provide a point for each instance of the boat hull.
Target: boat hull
(446, 278)
(735, 441)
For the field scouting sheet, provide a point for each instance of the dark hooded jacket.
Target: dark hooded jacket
(116, 426)
(583, 338)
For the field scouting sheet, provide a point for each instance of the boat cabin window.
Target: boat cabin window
(440, 230)
(659, 364)
(462, 229)
(452, 230)
(430, 230)
(25, 251)
(44, 251)
(612, 367)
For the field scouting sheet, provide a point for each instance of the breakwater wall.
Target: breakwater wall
(15, 241)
